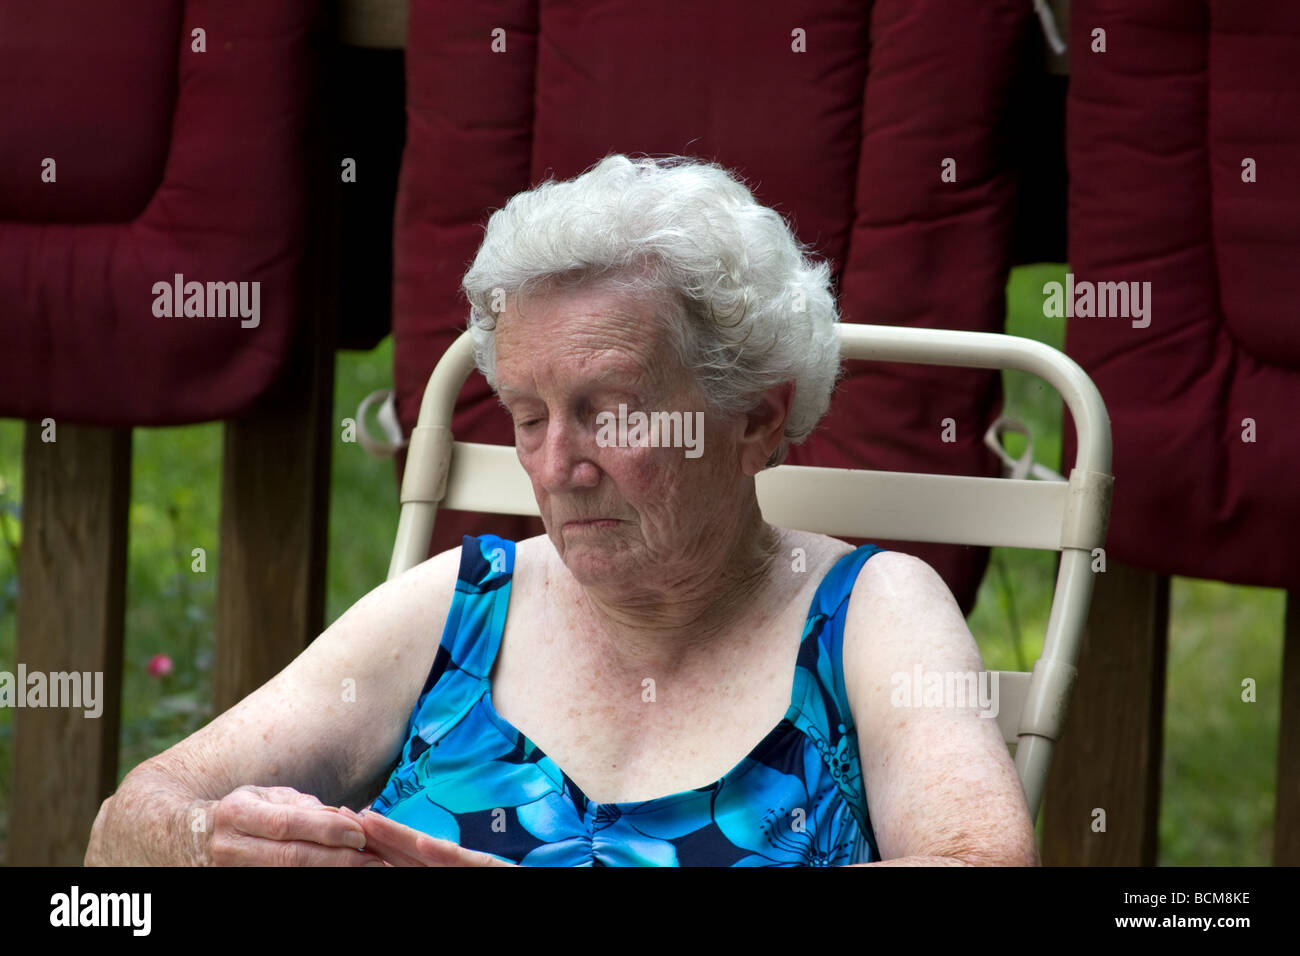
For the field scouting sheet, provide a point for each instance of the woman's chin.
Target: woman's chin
(594, 559)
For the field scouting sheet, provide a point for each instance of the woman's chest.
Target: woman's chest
(623, 736)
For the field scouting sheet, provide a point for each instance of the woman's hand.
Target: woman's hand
(278, 826)
(400, 845)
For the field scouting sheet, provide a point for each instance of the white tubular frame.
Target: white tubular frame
(1069, 517)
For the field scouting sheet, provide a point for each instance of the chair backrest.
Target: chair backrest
(1066, 516)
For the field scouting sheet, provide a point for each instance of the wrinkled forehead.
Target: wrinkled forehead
(603, 335)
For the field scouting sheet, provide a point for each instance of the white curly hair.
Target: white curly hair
(753, 309)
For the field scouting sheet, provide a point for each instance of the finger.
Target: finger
(439, 852)
(378, 826)
(290, 796)
(405, 846)
(286, 822)
(400, 844)
(395, 858)
(394, 851)
(244, 850)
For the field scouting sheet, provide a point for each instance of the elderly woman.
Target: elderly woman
(663, 678)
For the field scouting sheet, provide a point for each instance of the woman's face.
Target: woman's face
(628, 517)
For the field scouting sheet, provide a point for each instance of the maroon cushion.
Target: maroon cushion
(859, 175)
(169, 161)
(1159, 126)
(102, 110)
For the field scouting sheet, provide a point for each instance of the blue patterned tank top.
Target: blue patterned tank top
(467, 775)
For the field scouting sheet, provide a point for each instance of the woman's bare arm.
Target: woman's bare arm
(941, 787)
(328, 726)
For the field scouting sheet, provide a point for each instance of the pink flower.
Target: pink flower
(160, 665)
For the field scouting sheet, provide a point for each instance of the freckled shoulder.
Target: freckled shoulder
(891, 590)
(810, 552)
(532, 558)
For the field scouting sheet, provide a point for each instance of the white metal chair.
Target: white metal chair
(1066, 516)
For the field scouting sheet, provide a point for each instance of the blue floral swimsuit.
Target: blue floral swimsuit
(466, 775)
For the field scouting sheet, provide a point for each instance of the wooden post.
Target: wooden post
(1109, 755)
(76, 491)
(275, 475)
(1286, 825)
(275, 483)
(274, 521)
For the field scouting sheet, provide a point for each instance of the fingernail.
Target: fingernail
(355, 840)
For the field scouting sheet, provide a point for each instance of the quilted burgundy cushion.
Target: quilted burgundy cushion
(1159, 127)
(859, 173)
(102, 110)
(169, 161)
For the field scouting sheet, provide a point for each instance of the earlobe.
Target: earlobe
(752, 460)
(765, 422)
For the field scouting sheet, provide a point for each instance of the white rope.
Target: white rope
(1025, 465)
(387, 418)
(1048, 22)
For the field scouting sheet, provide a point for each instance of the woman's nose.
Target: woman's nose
(566, 456)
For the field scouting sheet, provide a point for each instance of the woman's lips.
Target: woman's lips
(591, 523)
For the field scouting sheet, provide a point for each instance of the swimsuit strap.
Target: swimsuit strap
(820, 696)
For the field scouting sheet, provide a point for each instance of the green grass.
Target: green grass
(1220, 753)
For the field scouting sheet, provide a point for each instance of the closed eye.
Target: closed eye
(519, 424)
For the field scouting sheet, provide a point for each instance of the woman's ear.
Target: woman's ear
(765, 428)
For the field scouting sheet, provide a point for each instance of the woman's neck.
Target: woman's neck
(659, 625)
